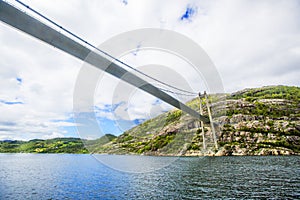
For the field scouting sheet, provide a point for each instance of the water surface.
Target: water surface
(66, 176)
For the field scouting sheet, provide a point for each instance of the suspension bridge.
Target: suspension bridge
(18, 19)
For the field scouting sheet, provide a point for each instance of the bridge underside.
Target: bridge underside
(21, 21)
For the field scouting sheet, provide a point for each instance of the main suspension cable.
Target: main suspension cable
(103, 52)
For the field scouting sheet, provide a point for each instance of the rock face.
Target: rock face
(262, 121)
(248, 135)
(258, 124)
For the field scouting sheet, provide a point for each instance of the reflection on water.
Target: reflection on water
(135, 164)
(64, 176)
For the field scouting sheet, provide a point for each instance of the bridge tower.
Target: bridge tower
(201, 122)
(213, 131)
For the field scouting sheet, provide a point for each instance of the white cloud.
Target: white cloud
(53, 135)
(252, 43)
(251, 39)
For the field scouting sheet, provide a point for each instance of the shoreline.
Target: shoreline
(187, 156)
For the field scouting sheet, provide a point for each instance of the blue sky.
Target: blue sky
(252, 43)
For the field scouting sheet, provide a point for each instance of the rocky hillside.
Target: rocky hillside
(261, 121)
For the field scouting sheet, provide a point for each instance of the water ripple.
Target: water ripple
(51, 176)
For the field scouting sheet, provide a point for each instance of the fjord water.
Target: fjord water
(66, 176)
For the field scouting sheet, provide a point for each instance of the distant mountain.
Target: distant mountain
(260, 121)
(56, 145)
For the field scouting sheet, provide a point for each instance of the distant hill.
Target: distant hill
(56, 145)
(260, 121)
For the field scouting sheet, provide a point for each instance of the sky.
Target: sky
(251, 43)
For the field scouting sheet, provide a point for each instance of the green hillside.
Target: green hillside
(56, 145)
(260, 121)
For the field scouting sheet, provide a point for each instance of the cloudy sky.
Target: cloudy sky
(251, 43)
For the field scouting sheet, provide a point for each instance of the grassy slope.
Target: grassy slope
(251, 118)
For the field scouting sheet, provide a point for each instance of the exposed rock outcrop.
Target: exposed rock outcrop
(262, 121)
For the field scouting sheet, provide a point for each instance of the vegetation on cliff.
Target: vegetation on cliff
(260, 121)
